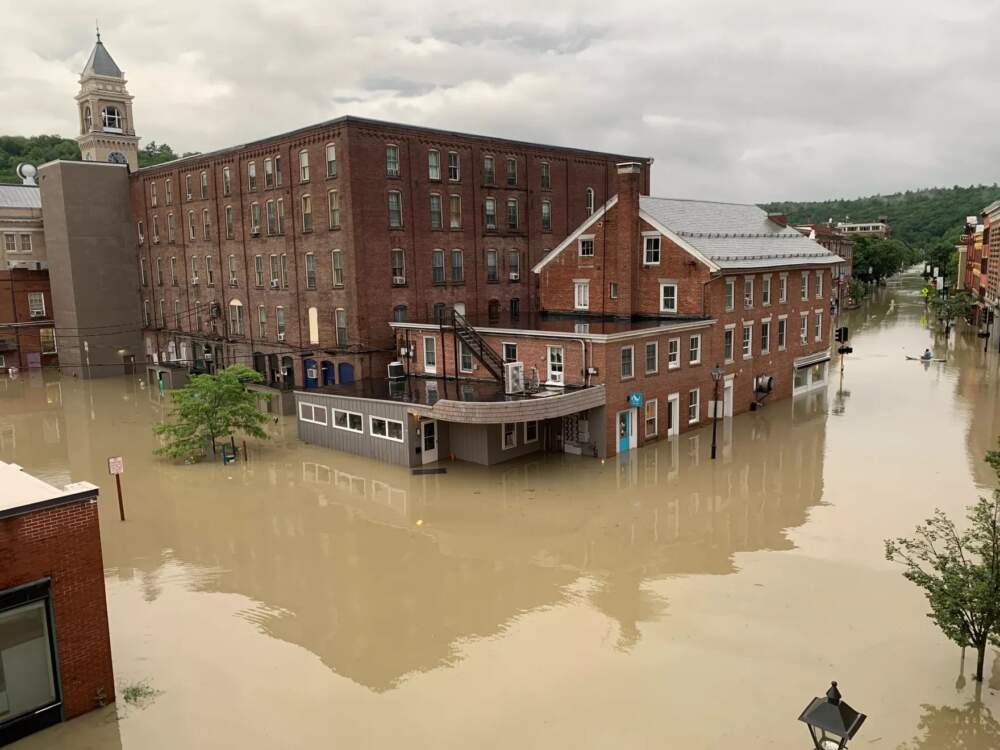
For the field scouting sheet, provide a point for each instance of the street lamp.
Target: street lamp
(831, 721)
(717, 373)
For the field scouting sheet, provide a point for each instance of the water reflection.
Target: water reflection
(971, 727)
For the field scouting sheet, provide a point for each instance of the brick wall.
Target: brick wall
(64, 544)
(15, 285)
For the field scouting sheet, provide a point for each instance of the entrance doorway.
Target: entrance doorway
(673, 414)
(727, 398)
(428, 441)
(345, 373)
(311, 373)
(626, 430)
(327, 371)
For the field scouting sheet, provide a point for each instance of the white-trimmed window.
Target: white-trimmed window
(142, 272)
(730, 294)
(169, 185)
(492, 269)
(140, 230)
(627, 361)
(613, 290)
(430, 354)
(546, 175)
(509, 352)
(236, 317)
(437, 267)
(206, 223)
(453, 166)
(555, 359)
(694, 349)
(651, 419)
(333, 206)
(313, 413)
(252, 176)
(156, 230)
(36, 304)
(455, 211)
(10, 240)
(209, 271)
(727, 342)
(348, 420)
(437, 213)
(227, 181)
(262, 321)
(673, 354)
(652, 358)
(340, 326)
(803, 328)
(765, 336)
(195, 275)
(387, 429)
(512, 213)
(47, 338)
(586, 245)
(748, 291)
(268, 174)
(337, 262)
(782, 332)
(694, 405)
(397, 259)
(279, 322)
(307, 213)
(818, 325)
(765, 291)
(188, 187)
(191, 234)
(171, 228)
(433, 164)
(204, 184)
(747, 340)
(668, 297)
(805, 286)
(152, 194)
(331, 160)
(651, 249)
(819, 285)
(490, 212)
(546, 216)
(489, 170)
(303, 166)
(581, 295)
(588, 199)
(531, 431)
(255, 219)
(395, 209)
(457, 267)
(229, 222)
(783, 289)
(508, 435)
(310, 270)
(392, 161)
(511, 172)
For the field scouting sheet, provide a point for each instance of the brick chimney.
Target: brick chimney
(623, 265)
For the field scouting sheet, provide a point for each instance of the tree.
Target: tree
(951, 307)
(959, 571)
(209, 408)
(36, 150)
(885, 257)
(945, 728)
(158, 153)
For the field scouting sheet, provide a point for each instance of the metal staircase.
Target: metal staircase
(478, 346)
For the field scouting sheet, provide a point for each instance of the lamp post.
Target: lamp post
(831, 721)
(717, 373)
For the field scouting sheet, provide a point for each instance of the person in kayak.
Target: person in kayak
(927, 355)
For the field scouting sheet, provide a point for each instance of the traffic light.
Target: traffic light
(841, 334)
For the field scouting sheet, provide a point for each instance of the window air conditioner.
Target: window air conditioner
(398, 280)
(194, 281)
(274, 283)
(281, 337)
(38, 313)
(514, 377)
(515, 276)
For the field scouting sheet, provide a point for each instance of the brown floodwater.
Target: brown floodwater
(308, 598)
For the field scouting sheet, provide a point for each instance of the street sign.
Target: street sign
(635, 398)
(116, 465)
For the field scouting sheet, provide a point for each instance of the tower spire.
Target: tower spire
(97, 24)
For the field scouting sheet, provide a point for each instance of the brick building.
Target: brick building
(55, 653)
(839, 243)
(638, 304)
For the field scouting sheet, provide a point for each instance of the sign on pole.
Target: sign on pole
(116, 465)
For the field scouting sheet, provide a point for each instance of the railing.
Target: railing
(478, 346)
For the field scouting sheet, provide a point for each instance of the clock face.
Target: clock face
(117, 157)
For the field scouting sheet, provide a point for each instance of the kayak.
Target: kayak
(921, 359)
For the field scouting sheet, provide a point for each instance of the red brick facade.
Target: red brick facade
(20, 334)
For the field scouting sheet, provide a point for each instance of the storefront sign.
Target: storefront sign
(635, 398)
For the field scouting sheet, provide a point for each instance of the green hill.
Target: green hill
(38, 149)
(920, 218)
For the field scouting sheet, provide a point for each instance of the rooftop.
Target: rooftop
(20, 196)
(100, 62)
(428, 391)
(568, 325)
(23, 493)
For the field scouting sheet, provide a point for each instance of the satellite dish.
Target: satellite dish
(27, 173)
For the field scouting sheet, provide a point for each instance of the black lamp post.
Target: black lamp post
(717, 373)
(831, 721)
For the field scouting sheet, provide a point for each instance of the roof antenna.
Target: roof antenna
(98, 27)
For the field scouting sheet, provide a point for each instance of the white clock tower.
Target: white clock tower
(106, 129)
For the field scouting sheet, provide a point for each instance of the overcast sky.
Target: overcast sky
(746, 101)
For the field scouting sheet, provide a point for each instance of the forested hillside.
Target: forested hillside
(38, 149)
(920, 218)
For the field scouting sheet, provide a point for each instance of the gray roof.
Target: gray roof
(20, 196)
(735, 235)
(100, 63)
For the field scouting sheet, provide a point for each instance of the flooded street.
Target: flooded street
(309, 598)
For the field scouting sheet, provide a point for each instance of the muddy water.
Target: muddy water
(312, 599)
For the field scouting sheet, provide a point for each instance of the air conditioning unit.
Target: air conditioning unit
(38, 313)
(398, 280)
(515, 277)
(765, 384)
(513, 377)
(491, 225)
(274, 283)
(194, 281)
(233, 282)
(396, 371)
(255, 231)
(281, 337)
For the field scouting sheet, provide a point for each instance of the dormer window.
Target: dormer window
(112, 119)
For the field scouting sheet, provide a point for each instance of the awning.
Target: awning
(812, 359)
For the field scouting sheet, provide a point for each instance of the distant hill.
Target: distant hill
(38, 149)
(920, 218)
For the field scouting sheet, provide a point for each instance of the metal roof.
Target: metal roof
(100, 63)
(735, 235)
(20, 196)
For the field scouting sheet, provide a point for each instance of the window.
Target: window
(229, 222)
(457, 266)
(252, 176)
(236, 318)
(509, 436)
(209, 271)
(258, 270)
(587, 246)
(169, 185)
(555, 358)
(511, 172)
(489, 170)
(430, 354)
(387, 429)
(255, 219)
(395, 209)
(819, 285)
(177, 314)
(392, 161)
(805, 286)
(727, 344)
(512, 213)
(156, 230)
(694, 349)
(453, 173)
(204, 184)
(398, 262)
(233, 278)
(818, 325)
(673, 354)
(581, 295)
(163, 313)
(627, 365)
(782, 330)
(10, 241)
(514, 264)
(546, 175)
(348, 420)
(613, 290)
(191, 234)
(188, 191)
(765, 291)
(333, 206)
(268, 173)
(206, 224)
(152, 194)
(546, 216)
(197, 316)
(140, 229)
(338, 268)
(730, 294)
(650, 413)
(668, 297)
(47, 338)
(803, 328)
(340, 322)
(307, 213)
(652, 358)
(272, 217)
(284, 270)
(509, 352)
(312, 413)
(399, 314)
(281, 216)
(227, 181)
(145, 313)
(331, 160)
(159, 271)
(492, 275)
(303, 166)
(310, 271)
(748, 292)
(493, 309)
(36, 304)
(279, 322)
(531, 432)
(455, 211)
(112, 120)
(765, 336)
(434, 164)
(464, 357)
(783, 288)
(142, 272)
(694, 405)
(589, 201)
(437, 266)
(489, 212)
(171, 228)
(651, 249)
(173, 271)
(436, 215)
(747, 340)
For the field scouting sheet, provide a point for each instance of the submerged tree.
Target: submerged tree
(951, 307)
(209, 408)
(959, 572)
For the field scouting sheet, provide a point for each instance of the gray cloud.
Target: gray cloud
(735, 100)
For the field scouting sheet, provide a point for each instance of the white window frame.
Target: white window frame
(655, 418)
(464, 352)
(765, 290)
(663, 306)
(818, 325)
(312, 410)
(334, 425)
(804, 291)
(782, 288)
(433, 164)
(819, 285)
(695, 340)
(585, 238)
(765, 342)
(560, 375)
(748, 292)
(729, 300)
(331, 164)
(804, 328)
(457, 166)
(304, 165)
(782, 332)
(39, 298)
(373, 418)
(621, 362)
(647, 251)
(673, 354)
(730, 329)
(503, 351)
(530, 440)
(656, 357)
(503, 436)
(581, 294)
(696, 405)
(747, 341)
(391, 160)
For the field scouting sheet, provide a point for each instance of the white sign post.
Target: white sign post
(116, 466)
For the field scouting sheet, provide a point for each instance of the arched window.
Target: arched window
(590, 201)
(398, 260)
(112, 119)
(399, 313)
(313, 325)
(88, 120)
(235, 317)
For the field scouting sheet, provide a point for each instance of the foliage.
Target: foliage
(158, 153)
(209, 408)
(944, 257)
(951, 307)
(945, 728)
(884, 257)
(138, 693)
(36, 150)
(919, 218)
(856, 290)
(959, 571)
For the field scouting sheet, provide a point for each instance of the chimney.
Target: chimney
(780, 219)
(622, 265)
(629, 181)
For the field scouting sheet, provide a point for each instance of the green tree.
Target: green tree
(36, 150)
(959, 571)
(951, 307)
(210, 408)
(157, 153)
(885, 257)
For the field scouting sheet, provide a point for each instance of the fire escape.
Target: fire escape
(477, 346)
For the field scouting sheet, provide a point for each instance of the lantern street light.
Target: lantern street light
(717, 373)
(831, 721)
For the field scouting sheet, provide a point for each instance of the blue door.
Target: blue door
(624, 431)
(345, 373)
(326, 370)
(312, 376)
